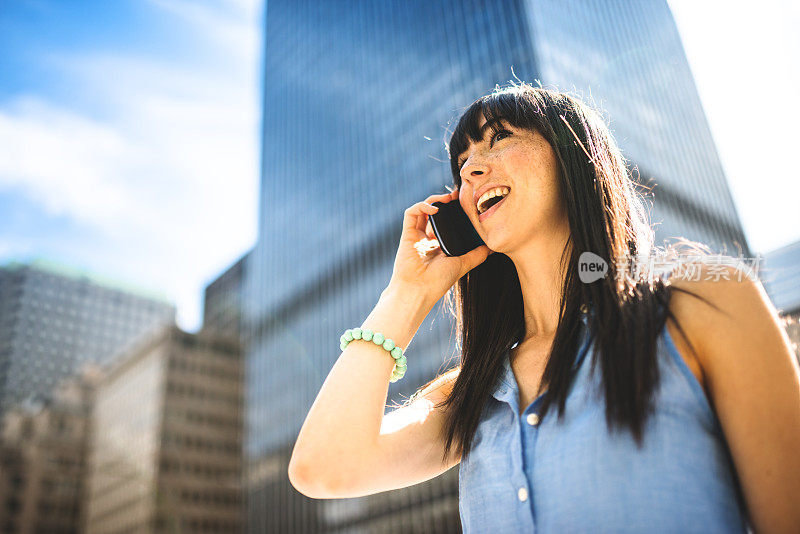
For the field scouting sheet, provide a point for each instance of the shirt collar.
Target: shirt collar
(507, 384)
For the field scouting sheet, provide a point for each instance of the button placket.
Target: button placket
(521, 433)
(528, 425)
(520, 480)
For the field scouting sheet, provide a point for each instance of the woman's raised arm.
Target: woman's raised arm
(344, 449)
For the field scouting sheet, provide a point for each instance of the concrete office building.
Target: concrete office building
(358, 102)
(166, 452)
(54, 319)
(43, 452)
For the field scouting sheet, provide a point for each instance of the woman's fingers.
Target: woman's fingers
(429, 230)
(443, 197)
(415, 216)
(424, 221)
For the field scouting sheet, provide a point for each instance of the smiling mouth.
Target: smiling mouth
(488, 213)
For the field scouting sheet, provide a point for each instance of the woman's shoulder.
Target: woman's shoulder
(714, 284)
(707, 292)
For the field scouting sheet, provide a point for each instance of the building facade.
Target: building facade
(627, 58)
(166, 448)
(43, 453)
(780, 275)
(54, 319)
(358, 104)
(222, 305)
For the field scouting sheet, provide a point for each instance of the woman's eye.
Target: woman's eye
(491, 142)
(499, 132)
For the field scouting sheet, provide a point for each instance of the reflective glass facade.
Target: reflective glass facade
(359, 100)
(627, 59)
(781, 277)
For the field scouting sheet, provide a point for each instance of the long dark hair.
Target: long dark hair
(607, 217)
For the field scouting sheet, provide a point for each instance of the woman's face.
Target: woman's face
(524, 162)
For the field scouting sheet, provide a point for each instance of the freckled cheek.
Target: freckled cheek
(534, 167)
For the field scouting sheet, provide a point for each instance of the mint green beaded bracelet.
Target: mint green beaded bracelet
(379, 339)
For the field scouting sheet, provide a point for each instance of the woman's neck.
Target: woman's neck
(541, 282)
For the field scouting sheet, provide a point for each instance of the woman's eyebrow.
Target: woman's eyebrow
(486, 126)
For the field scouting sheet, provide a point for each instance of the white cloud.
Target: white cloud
(165, 165)
(63, 161)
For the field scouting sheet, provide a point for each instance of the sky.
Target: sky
(128, 139)
(129, 131)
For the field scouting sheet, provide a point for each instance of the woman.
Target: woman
(675, 411)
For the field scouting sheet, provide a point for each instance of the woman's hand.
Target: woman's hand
(420, 263)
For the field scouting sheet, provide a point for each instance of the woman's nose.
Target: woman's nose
(472, 169)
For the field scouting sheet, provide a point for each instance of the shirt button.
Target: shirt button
(533, 419)
(522, 494)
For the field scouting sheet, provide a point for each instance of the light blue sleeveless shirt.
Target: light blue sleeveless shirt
(572, 476)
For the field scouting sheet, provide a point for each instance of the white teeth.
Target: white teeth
(497, 191)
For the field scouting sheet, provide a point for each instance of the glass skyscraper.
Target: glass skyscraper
(359, 100)
(781, 277)
(628, 59)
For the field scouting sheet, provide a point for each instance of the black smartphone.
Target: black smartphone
(453, 229)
